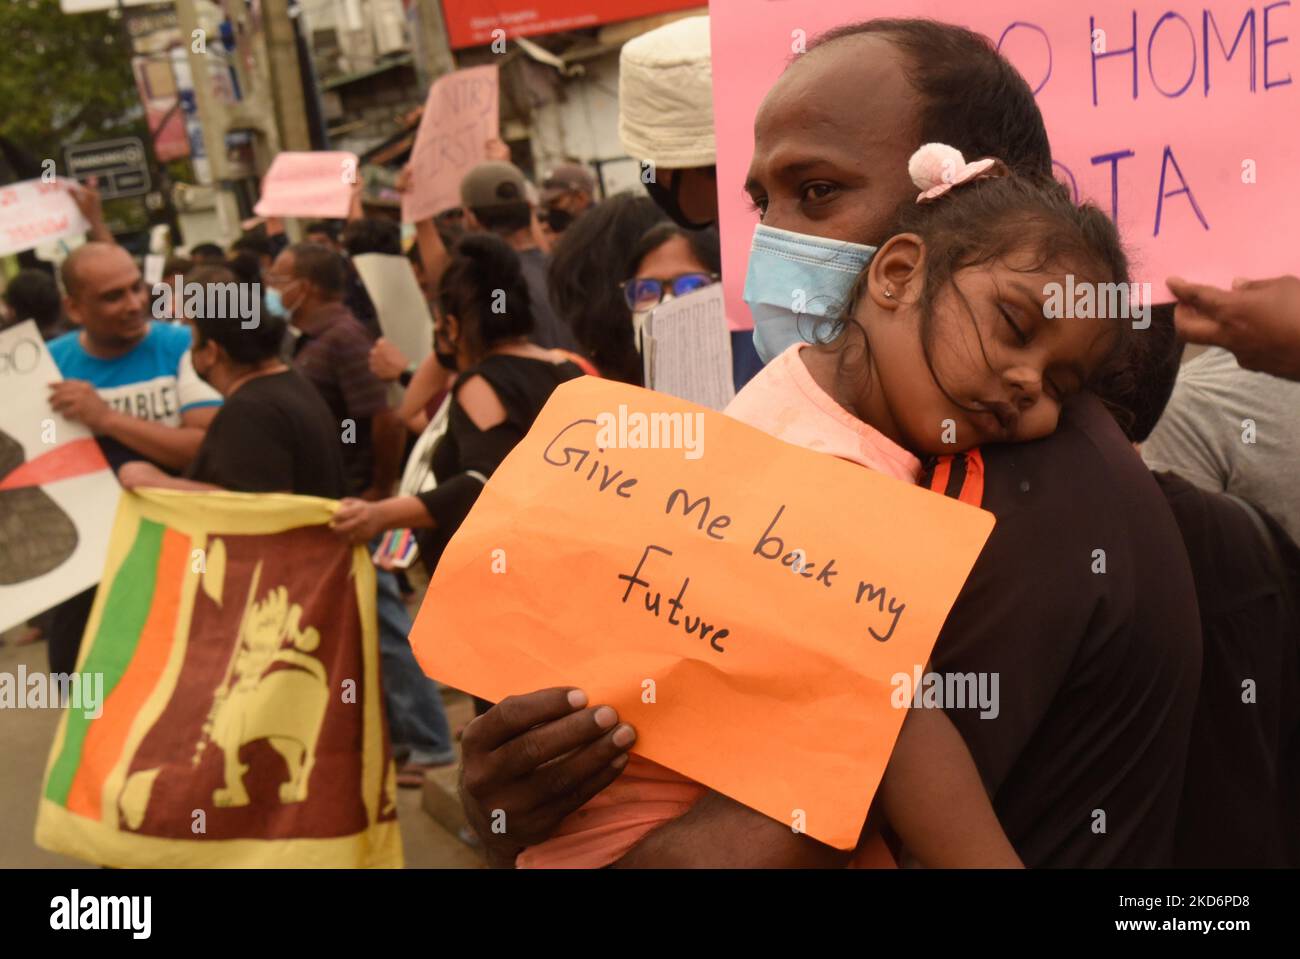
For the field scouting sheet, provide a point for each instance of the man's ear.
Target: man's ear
(897, 271)
(72, 309)
(204, 350)
(305, 289)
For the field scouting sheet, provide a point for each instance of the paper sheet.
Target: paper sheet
(317, 183)
(689, 349)
(747, 604)
(34, 212)
(399, 302)
(460, 116)
(57, 494)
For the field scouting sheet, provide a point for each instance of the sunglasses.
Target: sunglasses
(645, 293)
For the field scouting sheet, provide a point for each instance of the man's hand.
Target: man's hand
(356, 210)
(1257, 320)
(386, 361)
(77, 400)
(403, 182)
(91, 204)
(497, 150)
(138, 473)
(531, 760)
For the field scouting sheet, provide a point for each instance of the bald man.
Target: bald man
(129, 380)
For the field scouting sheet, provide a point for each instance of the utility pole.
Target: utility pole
(162, 185)
(218, 118)
(286, 77)
(432, 44)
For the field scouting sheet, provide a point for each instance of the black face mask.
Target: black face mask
(558, 220)
(447, 360)
(667, 200)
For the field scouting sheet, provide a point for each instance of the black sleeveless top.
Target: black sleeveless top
(523, 385)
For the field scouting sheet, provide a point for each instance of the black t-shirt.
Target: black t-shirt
(273, 434)
(523, 385)
(1240, 807)
(1097, 671)
(357, 299)
(549, 331)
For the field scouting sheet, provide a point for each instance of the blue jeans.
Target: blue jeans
(416, 720)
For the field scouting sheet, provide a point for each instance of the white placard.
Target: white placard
(53, 531)
(34, 212)
(688, 349)
(399, 303)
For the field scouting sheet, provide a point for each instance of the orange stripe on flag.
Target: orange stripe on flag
(63, 462)
(107, 735)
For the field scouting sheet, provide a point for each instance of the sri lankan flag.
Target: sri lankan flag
(242, 720)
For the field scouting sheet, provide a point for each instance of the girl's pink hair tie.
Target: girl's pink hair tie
(936, 168)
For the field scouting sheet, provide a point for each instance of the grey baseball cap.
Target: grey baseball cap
(493, 184)
(568, 178)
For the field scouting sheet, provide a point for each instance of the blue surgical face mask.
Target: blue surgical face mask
(275, 304)
(793, 281)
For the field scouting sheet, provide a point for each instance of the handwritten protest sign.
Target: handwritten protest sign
(687, 349)
(399, 303)
(57, 494)
(460, 117)
(33, 212)
(309, 184)
(1177, 118)
(711, 591)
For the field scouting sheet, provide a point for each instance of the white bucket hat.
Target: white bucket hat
(665, 96)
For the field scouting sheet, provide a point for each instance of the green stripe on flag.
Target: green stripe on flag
(129, 600)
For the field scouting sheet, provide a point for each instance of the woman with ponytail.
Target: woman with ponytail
(481, 333)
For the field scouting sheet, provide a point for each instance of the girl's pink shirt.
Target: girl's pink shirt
(786, 402)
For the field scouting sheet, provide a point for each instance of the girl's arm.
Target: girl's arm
(933, 797)
(931, 794)
(359, 521)
(433, 253)
(483, 437)
(430, 378)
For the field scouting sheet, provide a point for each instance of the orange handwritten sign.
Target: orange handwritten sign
(743, 602)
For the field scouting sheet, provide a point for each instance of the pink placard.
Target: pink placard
(34, 211)
(460, 117)
(309, 184)
(1193, 146)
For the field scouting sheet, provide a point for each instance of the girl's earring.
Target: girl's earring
(889, 294)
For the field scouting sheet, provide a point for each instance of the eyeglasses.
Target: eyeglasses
(645, 292)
